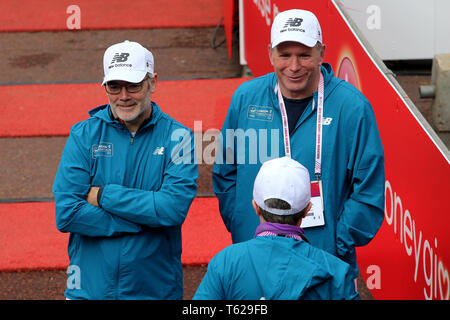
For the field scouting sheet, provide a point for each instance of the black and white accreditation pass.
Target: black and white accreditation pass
(213, 310)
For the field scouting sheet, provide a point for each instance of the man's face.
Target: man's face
(297, 68)
(131, 107)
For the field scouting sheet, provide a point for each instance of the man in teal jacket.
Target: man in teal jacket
(278, 263)
(346, 155)
(124, 185)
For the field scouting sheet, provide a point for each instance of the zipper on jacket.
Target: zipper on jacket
(132, 137)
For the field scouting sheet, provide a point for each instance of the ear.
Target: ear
(257, 210)
(269, 47)
(322, 54)
(153, 83)
(308, 207)
(305, 211)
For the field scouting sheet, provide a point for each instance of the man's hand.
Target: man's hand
(92, 196)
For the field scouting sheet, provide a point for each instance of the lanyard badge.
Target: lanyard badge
(315, 216)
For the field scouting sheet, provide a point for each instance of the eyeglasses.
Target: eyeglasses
(115, 88)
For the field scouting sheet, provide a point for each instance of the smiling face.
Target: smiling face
(132, 108)
(297, 68)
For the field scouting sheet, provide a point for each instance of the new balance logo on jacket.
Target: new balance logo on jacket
(159, 151)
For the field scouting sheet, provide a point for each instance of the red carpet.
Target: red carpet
(51, 109)
(38, 15)
(204, 233)
(30, 240)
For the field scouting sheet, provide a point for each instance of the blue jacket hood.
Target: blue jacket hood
(285, 276)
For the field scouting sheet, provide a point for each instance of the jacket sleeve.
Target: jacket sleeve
(170, 204)
(70, 188)
(224, 169)
(363, 210)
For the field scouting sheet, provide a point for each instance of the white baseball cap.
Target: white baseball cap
(127, 61)
(296, 25)
(284, 179)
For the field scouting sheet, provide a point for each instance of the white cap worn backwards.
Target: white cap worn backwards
(284, 179)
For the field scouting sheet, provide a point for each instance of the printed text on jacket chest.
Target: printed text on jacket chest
(103, 149)
(260, 113)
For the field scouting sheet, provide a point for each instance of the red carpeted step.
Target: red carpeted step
(204, 233)
(37, 15)
(51, 109)
(30, 240)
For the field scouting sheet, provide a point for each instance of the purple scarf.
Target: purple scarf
(276, 229)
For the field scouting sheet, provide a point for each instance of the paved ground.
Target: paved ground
(37, 57)
(28, 165)
(50, 285)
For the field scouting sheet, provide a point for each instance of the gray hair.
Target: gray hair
(319, 46)
(150, 76)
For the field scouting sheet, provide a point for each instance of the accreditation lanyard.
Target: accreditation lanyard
(315, 217)
(287, 143)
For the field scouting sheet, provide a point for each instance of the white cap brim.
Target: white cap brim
(125, 75)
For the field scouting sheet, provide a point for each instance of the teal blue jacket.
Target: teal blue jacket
(276, 268)
(130, 246)
(352, 161)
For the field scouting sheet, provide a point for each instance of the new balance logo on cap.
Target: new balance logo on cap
(127, 61)
(291, 22)
(120, 57)
(295, 25)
